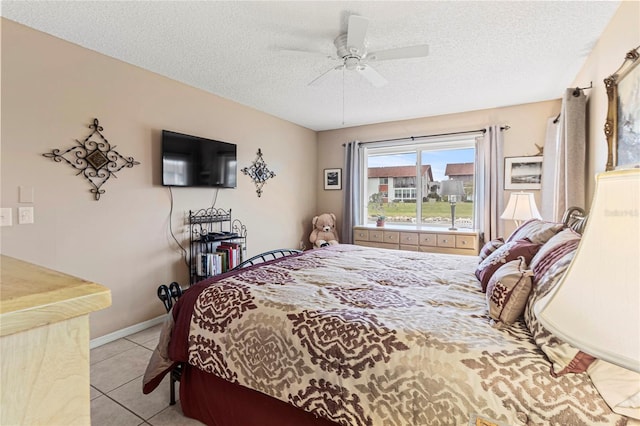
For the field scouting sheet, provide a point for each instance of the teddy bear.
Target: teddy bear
(324, 230)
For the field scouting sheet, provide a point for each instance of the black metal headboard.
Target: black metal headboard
(575, 218)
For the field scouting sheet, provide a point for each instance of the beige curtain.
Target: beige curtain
(351, 190)
(563, 165)
(489, 183)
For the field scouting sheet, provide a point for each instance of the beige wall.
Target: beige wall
(621, 35)
(528, 125)
(51, 91)
(528, 122)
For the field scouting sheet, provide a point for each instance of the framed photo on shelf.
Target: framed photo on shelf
(332, 178)
(523, 172)
(622, 127)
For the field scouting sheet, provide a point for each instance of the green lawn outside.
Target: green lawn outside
(435, 209)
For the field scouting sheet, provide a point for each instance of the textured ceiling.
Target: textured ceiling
(482, 54)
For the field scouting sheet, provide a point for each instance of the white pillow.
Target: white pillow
(619, 387)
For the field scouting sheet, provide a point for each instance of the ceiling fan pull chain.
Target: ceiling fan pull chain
(343, 96)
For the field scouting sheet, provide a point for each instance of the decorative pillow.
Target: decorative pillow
(536, 230)
(560, 244)
(508, 291)
(507, 252)
(564, 357)
(490, 247)
(544, 286)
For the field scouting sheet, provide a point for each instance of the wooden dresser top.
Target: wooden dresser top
(32, 296)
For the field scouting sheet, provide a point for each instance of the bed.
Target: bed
(354, 335)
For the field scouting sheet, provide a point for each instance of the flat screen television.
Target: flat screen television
(195, 161)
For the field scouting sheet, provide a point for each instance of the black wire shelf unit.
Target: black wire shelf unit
(209, 229)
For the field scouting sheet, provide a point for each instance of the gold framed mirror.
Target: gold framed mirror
(622, 127)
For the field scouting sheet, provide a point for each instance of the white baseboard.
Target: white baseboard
(127, 331)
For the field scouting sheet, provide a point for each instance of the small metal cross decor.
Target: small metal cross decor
(258, 172)
(96, 161)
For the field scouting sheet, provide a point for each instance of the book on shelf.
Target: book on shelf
(218, 257)
(201, 265)
(208, 264)
(234, 253)
(224, 254)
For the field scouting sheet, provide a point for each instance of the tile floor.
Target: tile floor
(116, 385)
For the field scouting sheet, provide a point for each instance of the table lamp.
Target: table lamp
(596, 305)
(521, 206)
(453, 189)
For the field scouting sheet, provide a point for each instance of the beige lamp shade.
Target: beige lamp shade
(452, 187)
(596, 305)
(521, 206)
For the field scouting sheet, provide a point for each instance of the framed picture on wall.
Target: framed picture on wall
(332, 178)
(622, 127)
(522, 172)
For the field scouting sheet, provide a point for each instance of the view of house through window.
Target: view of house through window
(403, 184)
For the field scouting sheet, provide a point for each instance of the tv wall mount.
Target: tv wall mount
(96, 161)
(258, 172)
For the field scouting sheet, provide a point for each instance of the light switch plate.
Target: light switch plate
(25, 215)
(5, 216)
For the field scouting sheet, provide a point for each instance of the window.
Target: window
(402, 182)
(405, 194)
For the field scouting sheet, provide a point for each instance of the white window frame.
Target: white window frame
(435, 143)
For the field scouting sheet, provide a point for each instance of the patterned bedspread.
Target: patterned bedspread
(365, 336)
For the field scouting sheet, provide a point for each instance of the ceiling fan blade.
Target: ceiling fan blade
(418, 51)
(356, 33)
(372, 75)
(324, 75)
(295, 51)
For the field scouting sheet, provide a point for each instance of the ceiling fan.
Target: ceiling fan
(351, 49)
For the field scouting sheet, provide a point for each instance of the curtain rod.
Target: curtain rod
(576, 92)
(432, 136)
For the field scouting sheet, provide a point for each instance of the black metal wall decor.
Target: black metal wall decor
(258, 172)
(96, 161)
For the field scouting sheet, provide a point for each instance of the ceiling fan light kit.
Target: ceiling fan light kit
(352, 51)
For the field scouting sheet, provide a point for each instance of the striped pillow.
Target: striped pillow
(536, 230)
(490, 247)
(506, 253)
(563, 242)
(564, 357)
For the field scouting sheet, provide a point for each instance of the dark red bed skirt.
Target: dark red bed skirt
(217, 402)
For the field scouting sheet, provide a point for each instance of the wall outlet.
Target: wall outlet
(5, 217)
(25, 215)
